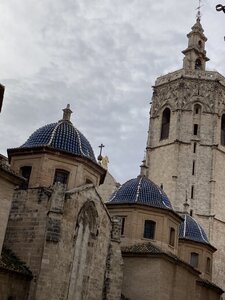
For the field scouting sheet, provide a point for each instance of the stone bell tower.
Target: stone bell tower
(186, 142)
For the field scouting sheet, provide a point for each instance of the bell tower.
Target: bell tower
(186, 142)
(195, 55)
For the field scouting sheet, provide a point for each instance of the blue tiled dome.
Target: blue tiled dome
(141, 190)
(191, 230)
(61, 136)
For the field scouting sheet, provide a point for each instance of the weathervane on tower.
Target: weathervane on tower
(220, 7)
(198, 16)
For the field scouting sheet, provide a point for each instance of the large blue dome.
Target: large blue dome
(141, 190)
(191, 230)
(61, 136)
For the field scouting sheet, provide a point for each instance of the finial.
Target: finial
(100, 154)
(143, 167)
(198, 16)
(186, 205)
(104, 162)
(67, 113)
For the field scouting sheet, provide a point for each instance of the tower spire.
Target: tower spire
(195, 54)
(198, 16)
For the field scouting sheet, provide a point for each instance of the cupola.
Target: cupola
(146, 214)
(194, 246)
(57, 152)
(195, 54)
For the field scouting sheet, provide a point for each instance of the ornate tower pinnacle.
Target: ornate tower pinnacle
(67, 113)
(195, 54)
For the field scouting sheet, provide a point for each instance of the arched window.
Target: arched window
(172, 236)
(222, 139)
(149, 229)
(165, 128)
(198, 64)
(194, 259)
(200, 44)
(197, 109)
(25, 171)
(86, 232)
(61, 176)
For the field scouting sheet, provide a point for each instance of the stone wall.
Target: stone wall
(161, 279)
(44, 166)
(13, 286)
(26, 229)
(6, 192)
(135, 216)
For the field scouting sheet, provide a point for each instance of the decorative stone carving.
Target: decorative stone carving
(182, 93)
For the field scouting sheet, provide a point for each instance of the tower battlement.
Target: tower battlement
(184, 73)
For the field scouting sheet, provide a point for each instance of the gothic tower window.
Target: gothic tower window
(195, 129)
(198, 64)
(192, 192)
(200, 44)
(165, 128)
(193, 167)
(197, 109)
(194, 147)
(223, 130)
(149, 229)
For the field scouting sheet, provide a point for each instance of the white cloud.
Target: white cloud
(100, 56)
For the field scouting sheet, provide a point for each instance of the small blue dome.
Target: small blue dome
(61, 136)
(191, 230)
(141, 190)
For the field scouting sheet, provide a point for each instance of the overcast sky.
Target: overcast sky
(102, 57)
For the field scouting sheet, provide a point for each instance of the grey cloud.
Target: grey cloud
(101, 57)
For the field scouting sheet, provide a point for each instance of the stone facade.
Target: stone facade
(156, 269)
(67, 237)
(13, 286)
(109, 186)
(135, 217)
(142, 273)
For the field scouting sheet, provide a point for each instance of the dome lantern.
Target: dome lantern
(67, 113)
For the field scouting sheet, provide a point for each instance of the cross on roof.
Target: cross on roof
(100, 154)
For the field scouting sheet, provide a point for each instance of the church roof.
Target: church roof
(141, 190)
(62, 136)
(143, 248)
(191, 230)
(10, 262)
